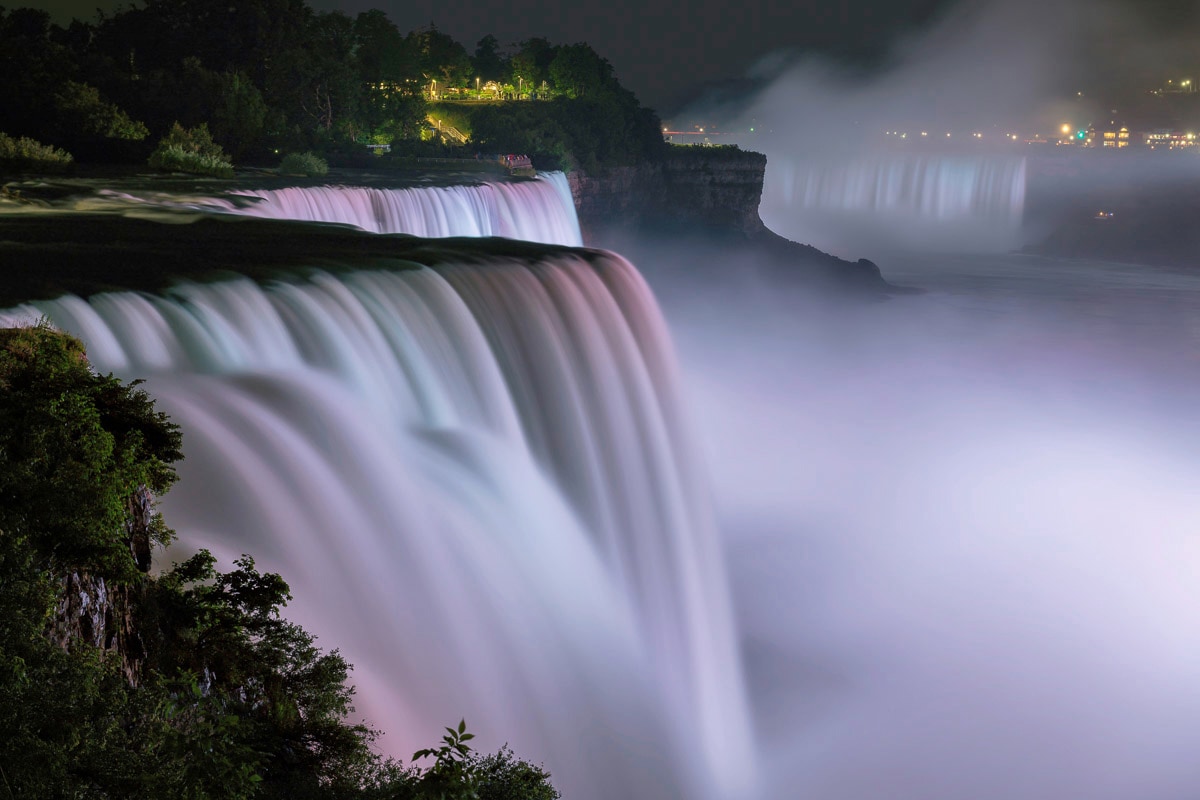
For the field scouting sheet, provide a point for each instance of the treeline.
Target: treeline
(269, 77)
(115, 683)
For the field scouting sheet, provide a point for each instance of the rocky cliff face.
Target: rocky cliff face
(709, 196)
(94, 612)
(716, 188)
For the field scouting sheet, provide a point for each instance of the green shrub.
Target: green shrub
(502, 776)
(25, 153)
(81, 107)
(309, 164)
(191, 150)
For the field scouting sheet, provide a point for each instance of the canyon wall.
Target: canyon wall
(718, 188)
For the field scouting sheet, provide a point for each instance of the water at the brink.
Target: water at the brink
(536, 210)
(480, 484)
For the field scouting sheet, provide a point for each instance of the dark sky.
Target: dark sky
(665, 50)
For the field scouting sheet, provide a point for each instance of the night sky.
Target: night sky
(667, 50)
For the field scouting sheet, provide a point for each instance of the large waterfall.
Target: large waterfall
(480, 483)
(970, 200)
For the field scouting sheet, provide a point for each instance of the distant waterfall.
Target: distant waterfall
(480, 485)
(941, 188)
(961, 198)
(538, 210)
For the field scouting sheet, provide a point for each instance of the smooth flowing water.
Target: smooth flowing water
(953, 554)
(480, 483)
(950, 202)
(536, 210)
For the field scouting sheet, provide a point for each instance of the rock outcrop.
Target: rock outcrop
(710, 197)
(715, 187)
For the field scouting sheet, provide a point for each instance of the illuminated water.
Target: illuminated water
(537, 210)
(949, 548)
(480, 483)
(961, 526)
(962, 202)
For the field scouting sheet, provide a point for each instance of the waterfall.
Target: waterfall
(965, 199)
(538, 210)
(478, 480)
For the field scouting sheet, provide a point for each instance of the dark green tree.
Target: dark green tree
(442, 58)
(578, 71)
(80, 110)
(488, 63)
(530, 65)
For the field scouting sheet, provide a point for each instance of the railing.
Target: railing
(448, 130)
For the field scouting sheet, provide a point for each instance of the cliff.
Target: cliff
(708, 197)
(715, 187)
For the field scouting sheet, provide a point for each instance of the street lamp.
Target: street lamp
(476, 87)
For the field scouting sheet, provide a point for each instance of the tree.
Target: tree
(68, 433)
(82, 112)
(442, 58)
(487, 63)
(239, 113)
(530, 64)
(315, 86)
(382, 53)
(578, 71)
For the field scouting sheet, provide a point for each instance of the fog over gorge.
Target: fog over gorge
(961, 532)
(962, 525)
(927, 149)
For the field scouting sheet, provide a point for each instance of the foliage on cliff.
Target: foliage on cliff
(74, 447)
(215, 694)
(602, 129)
(274, 76)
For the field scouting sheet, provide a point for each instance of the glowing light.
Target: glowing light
(1066, 128)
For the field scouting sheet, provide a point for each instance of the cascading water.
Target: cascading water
(537, 210)
(942, 188)
(479, 482)
(970, 201)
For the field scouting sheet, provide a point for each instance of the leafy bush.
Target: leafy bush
(74, 446)
(191, 150)
(81, 107)
(25, 153)
(502, 776)
(308, 164)
(459, 773)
